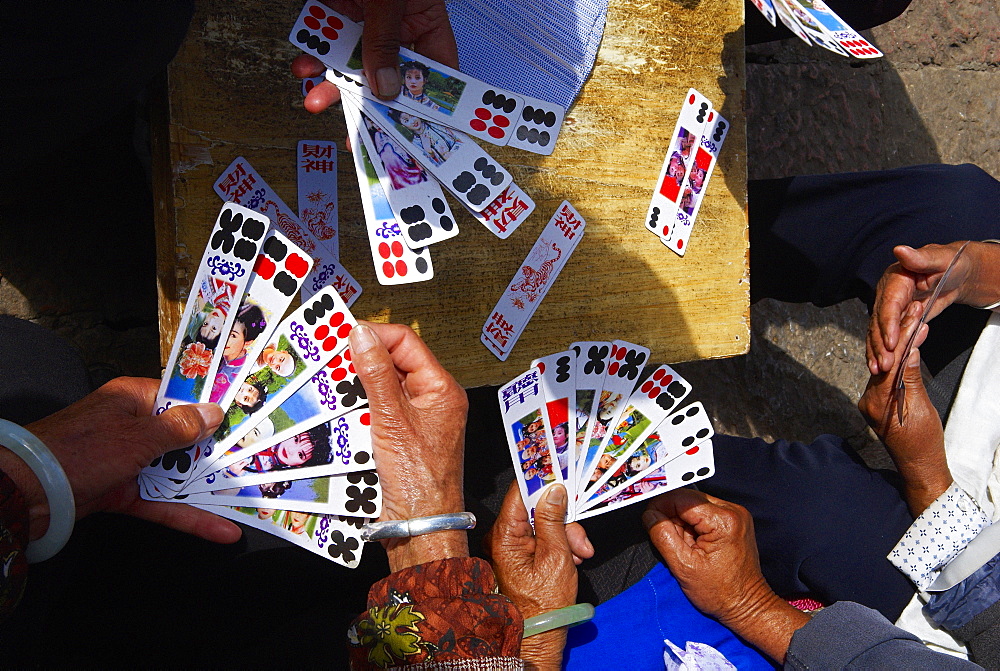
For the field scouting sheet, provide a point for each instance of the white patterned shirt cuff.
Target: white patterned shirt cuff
(938, 535)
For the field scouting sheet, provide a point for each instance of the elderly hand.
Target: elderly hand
(916, 447)
(709, 546)
(535, 569)
(418, 436)
(422, 25)
(102, 442)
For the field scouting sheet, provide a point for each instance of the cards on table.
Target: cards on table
(625, 432)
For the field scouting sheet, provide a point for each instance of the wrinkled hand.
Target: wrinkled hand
(916, 447)
(422, 25)
(709, 546)
(912, 278)
(418, 436)
(535, 569)
(103, 441)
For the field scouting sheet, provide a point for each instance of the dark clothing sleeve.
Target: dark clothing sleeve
(850, 636)
(438, 615)
(971, 612)
(13, 541)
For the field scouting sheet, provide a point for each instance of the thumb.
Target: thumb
(550, 519)
(183, 425)
(376, 371)
(380, 41)
(664, 534)
(928, 259)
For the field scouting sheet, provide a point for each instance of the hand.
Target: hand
(535, 568)
(916, 447)
(418, 436)
(388, 24)
(709, 546)
(102, 442)
(912, 278)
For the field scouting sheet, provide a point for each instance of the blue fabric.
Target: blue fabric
(540, 48)
(957, 606)
(628, 630)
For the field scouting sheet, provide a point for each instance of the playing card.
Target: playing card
(816, 33)
(316, 181)
(208, 316)
(348, 494)
(558, 380)
(528, 437)
(395, 262)
(845, 36)
(308, 83)
(416, 199)
(244, 185)
(695, 113)
(537, 127)
(301, 346)
(696, 183)
(334, 537)
(591, 368)
(506, 212)
(648, 405)
(767, 9)
(461, 165)
(438, 92)
(678, 473)
(532, 281)
(625, 362)
(785, 15)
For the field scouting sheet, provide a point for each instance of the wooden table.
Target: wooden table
(230, 93)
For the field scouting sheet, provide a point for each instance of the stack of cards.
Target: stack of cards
(588, 418)
(815, 23)
(293, 454)
(693, 151)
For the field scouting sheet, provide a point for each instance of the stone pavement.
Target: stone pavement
(79, 258)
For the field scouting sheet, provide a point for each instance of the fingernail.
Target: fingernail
(557, 495)
(362, 339)
(387, 80)
(651, 518)
(587, 544)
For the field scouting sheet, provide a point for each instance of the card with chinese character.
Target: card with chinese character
(534, 278)
(508, 211)
(461, 165)
(648, 405)
(624, 362)
(244, 185)
(222, 277)
(528, 437)
(316, 181)
(681, 472)
(333, 537)
(394, 262)
(695, 113)
(696, 183)
(413, 195)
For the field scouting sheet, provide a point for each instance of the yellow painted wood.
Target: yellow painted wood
(230, 93)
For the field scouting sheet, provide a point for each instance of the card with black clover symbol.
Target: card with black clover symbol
(634, 438)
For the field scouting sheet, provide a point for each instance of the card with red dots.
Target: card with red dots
(846, 40)
(814, 31)
(336, 538)
(681, 436)
(414, 196)
(461, 165)
(766, 7)
(329, 36)
(696, 183)
(302, 345)
(655, 398)
(394, 262)
(316, 184)
(624, 363)
(242, 184)
(695, 113)
(785, 15)
(345, 494)
(532, 281)
(697, 463)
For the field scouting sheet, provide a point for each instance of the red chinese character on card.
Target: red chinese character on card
(233, 178)
(323, 166)
(567, 222)
(500, 329)
(318, 150)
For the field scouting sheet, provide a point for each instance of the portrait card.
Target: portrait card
(846, 37)
(591, 369)
(558, 379)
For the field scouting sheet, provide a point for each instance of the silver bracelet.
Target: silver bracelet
(55, 484)
(418, 526)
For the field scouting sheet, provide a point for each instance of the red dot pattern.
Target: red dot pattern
(693, 450)
(366, 419)
(492, 124)
(336, 329)
(319, 20)
(653, 387)
(389, 268)
(541, 366)
(337, 365)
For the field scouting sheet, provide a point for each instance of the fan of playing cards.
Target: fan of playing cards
(813, 22)
(293, 453)
(586, 418)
